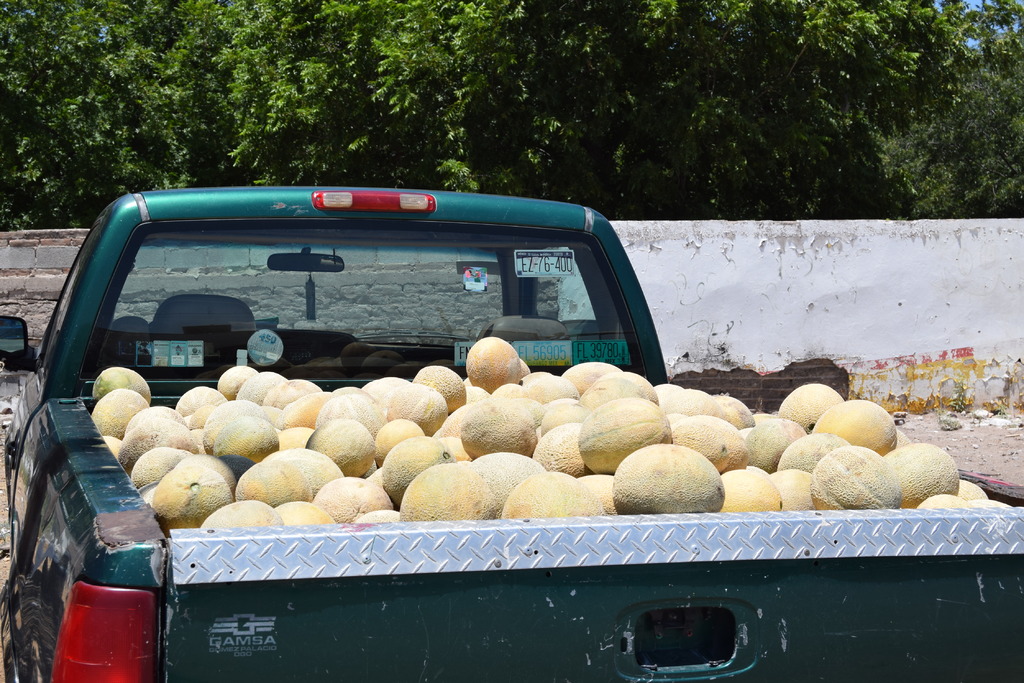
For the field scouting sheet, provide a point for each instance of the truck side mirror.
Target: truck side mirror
(14, 348)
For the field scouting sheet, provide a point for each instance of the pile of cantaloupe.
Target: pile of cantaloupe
(261, 449)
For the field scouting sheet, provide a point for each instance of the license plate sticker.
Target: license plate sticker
(548, 352)
(545, 263)
(611, 351)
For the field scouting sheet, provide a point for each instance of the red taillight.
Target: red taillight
(108, 636)
(373, 200)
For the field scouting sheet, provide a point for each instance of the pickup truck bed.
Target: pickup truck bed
(832, 596)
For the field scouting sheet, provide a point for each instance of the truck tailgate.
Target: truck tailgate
(830, 596)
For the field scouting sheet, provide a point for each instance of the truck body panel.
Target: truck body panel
(821, 595)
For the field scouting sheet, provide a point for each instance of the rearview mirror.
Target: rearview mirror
(306, 262)
(13, 338)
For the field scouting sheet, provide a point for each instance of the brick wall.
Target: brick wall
(764, 393)
(33, 265)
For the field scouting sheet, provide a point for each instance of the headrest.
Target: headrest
(525, 328)
(184, 313)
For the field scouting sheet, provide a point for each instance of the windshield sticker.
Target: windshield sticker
(533, 352)
(546, 352)
(265, 347)
(611, 351)
(461, 351)
(172, 353)
(144, 354)
(545, 263)
(474, 279)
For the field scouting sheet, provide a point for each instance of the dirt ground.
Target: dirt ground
(987, 445)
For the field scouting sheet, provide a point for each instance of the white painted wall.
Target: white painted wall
(911, 309)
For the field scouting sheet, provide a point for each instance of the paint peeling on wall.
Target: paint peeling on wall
(955, 379)
(876, 297)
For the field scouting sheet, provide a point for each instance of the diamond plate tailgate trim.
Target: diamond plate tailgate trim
(285, 553)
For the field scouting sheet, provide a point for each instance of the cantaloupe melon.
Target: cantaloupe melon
(601, 485)
(148, 415)
(115, 409)
(943, 501)
(210, 462)
(559, 450)
(348, 498)
(453, 445)
(491, 362)
(232, 379)
(224, 413)
(768, 440)
(197, 397)
(303, 412)
(795, 488)
(556, 414)
(497, 425)
(256, 387)
(186, 496)
(860, 422)
(160, 433)
(968, 490)
(274, 482)
(805, 452)
(407, 459)
(244, 513)
(618, 428)
(120, 378)
(444, 493)
(747, 491)
(665, 478)
(420, 403)
(735, 412)
(805, 404)
(550, 494)
(612, 387)
(301, 513)
(364, 409)
(294, 437)
(446, 382)
(509, 391)
(284, 393)
(155, 463)
(393, 433)
(197, 420)
(503, 471)
(583, 375)
(348, 443)
(714, 438)
(924, 471)
(545, 389)
(379, 517)
(252, 437)
(854, 478)
(676, 399)
(317, 468)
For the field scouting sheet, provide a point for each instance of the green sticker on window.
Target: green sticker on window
(544, 352)
(612, 351)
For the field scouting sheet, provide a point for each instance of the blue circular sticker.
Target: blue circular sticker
(265, 347)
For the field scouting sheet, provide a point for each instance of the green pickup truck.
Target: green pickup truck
(180, 285)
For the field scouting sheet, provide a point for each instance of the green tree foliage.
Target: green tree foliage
(968, 160)
(102, 97)
(658, 108)
(721, 108)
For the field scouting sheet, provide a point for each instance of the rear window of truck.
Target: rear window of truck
(355, 299)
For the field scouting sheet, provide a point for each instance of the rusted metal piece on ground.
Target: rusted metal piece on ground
(996, 489)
